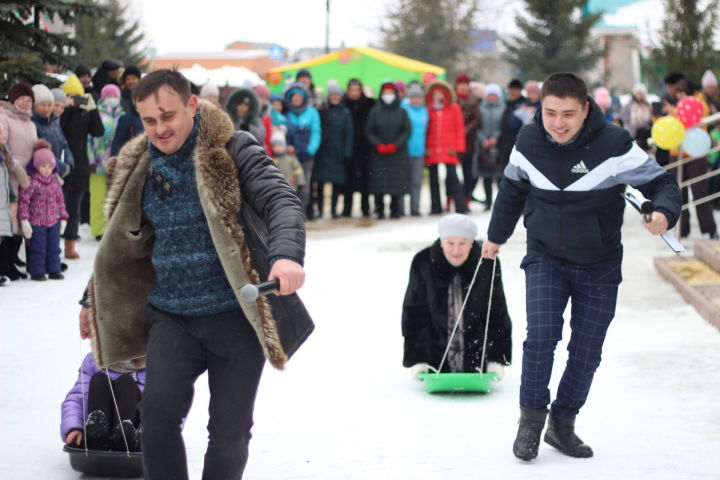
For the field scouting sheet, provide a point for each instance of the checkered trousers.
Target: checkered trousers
(549, 286)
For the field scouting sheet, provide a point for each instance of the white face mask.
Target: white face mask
(388, 98)
(112, 102)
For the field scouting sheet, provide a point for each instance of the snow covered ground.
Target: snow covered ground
(346, 409)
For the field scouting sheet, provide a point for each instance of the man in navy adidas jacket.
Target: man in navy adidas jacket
(566, 175)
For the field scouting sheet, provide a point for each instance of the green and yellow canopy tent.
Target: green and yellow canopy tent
(370, 65)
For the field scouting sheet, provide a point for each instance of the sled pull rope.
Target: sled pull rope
(487, 318)
(117, 410)
(462, 309)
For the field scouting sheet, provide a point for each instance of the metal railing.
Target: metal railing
(709, 120)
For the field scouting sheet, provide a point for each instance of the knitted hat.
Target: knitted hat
(73, 86)
(275, 97)
(209, 90)
(131, 70)
(59, 95)
(303, 72)
(42, 154)
(515, 83)
(708, 79)
(462, 78)
(492, 89)
(457, 225)
(334, 89)
(42, 94)
(639, 89)
(261, 91)
(109, 65)
(21, 89)
(400, 86)
(109, 89)
(81, 70)
(415, 90)
(277, 138)
(602, 97)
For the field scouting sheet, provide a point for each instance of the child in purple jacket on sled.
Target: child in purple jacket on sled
(95, 415)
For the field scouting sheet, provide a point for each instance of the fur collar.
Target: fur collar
(219, 186)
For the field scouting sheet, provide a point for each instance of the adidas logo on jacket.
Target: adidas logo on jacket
(570, 194)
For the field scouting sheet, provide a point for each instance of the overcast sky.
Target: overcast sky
(212, 24)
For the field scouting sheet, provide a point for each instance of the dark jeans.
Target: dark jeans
(308, 193)
(396, 207)
(179, 350)
(73, 203)
(364, 196)
(127, 396)
(44, 251)
(452, 189)
(470, 175)
(549, 286)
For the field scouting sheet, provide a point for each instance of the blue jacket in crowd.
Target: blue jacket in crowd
(49, 129)
(128, 126)
(303, 122)
(418, 122)
(570, 194)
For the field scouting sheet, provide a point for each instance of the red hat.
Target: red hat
(462, 78)
(21, 89)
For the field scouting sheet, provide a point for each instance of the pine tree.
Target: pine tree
(111, 36)
(433, 31)
(26, 49)
(686, 38)
(554, 37)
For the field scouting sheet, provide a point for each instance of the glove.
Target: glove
(419, 368)
(90, 105)
(390, 148)
(26, 229)
(496, 368)
(63, 224)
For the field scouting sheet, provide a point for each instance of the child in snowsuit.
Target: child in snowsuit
(91, 393)
(288, 164)
(42, 214)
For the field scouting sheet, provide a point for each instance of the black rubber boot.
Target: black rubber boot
(561, 435)
(531, 424)
(117, 441)
(97, 429)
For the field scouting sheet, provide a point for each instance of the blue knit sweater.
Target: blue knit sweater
(189, 278)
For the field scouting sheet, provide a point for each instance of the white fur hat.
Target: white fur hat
(457, 225)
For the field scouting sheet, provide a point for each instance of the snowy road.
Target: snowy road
(346, 409)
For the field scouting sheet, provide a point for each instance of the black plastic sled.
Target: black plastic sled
(97, 463)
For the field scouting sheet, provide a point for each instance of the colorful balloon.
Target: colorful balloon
(428, 77)
(696, 142)
(274, 78)
(668, 132)
(690, 111)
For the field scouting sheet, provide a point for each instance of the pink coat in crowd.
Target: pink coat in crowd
(19, 134)
(42, 202)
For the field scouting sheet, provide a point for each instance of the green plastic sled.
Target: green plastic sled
(457, 382)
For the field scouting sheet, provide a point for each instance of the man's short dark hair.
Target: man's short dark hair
(515, 83)
(564, 85)
(151, 84)
(673, 78)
